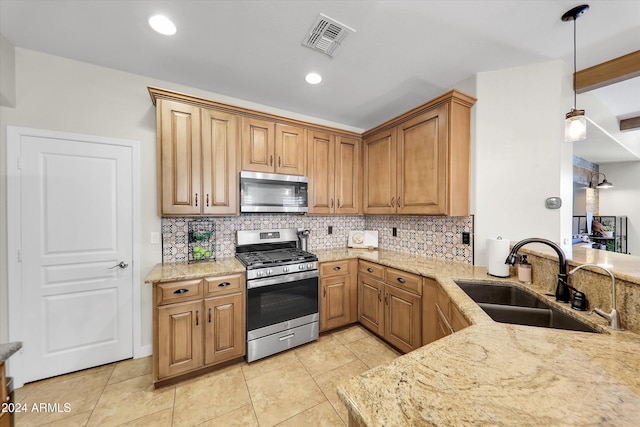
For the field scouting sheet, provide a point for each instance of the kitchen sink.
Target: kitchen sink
(506, 303)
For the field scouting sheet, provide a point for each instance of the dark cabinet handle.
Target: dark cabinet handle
(209, 315)
(336, 268)
(324, 291)
(392, 205)
(207, 199)
(223, 284)
(196, 199)
(401, 280)
(279, 161)
(331, 202)
(379, 295)
(271, 160)
(197, 317)
(181, 291)
(398, 201)
(370, 270)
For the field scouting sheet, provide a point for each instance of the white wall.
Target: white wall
(519, 155)
(623, 198)
(7, 73)
(55, 93)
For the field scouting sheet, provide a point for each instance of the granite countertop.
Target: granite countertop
(497, 374)
(172, 271)
(9, 349)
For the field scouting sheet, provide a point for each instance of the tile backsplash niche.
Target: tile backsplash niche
(431, 236)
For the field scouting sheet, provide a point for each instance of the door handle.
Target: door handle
(121, 264)
(392, 202)
(271, 160)
(279, 161)
(223, 284)
(207, 199)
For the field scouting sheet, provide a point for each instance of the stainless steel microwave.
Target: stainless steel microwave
(272, 192)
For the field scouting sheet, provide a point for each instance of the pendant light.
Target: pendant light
(575, 125)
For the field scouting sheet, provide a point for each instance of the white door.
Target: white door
(75, 253)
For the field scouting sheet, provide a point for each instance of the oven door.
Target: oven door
(275, 300)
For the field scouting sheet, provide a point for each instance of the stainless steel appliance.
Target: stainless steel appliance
(282, 291)
(271, 192)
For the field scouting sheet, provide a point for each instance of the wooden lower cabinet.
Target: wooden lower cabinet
(370, 304)
(5, 417)
(402, 319)
(224, 332)
(389, 311)
(338, 294)
(179, 338)
(440, 316)
(198, 324)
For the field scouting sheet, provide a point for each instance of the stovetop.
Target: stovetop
(260, 259)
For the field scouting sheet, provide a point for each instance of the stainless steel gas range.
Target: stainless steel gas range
(282, 291)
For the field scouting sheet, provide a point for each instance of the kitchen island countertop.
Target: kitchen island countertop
(496, 374)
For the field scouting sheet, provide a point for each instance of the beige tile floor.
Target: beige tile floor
(294, 388)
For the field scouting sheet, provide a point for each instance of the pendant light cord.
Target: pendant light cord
(574, 62)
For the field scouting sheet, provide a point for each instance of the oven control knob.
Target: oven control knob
(269, 271)
(285, 269)
(260, 273)
(300, 267)
(309, 265)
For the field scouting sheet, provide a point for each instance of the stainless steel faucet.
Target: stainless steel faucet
(614, 316)
(562, 290)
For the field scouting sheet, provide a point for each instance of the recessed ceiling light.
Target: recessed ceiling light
(313, 78)
(162, 24)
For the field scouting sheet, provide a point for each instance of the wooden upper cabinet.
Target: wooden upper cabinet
(334, 174)
(418, 163)
(290, 155)
(219, 160)
(321, 156)
(379, 155)
(421, 163)
(258, 145)
(347, 175)
(273, 148)
(197, 160)
(179, 157)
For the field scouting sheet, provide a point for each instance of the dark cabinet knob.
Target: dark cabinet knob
(223, 284)
(401, 280)
(370, 270)
(336, 268)
(181, 291)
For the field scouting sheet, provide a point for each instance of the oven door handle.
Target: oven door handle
(285, 278)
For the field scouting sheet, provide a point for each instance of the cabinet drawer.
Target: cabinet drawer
(335, 268)
(371, 269)
(223, 284)
(402, 279)
(184, 290)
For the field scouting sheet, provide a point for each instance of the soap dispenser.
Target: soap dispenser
(524, 270)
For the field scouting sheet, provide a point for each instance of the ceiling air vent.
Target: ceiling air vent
(326, 35)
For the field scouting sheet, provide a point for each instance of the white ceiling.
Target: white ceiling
(402, 54)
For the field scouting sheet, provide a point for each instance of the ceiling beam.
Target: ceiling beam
(610, 72)
(630, 124)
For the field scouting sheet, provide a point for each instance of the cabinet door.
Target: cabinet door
(370, 304)
(402, 319)
(180, 158)
(443, 328)
(290, 153)
(179, 338)
(321, 150)
(379, 155)
(429, 289)
(219, 162)
(224, 330)
(422, 164)
(334, 302)
(347, 175)
(258, 145)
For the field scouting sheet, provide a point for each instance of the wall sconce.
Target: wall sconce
(603, 184)
(575, 125)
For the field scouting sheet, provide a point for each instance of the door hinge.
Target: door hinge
(19, 255)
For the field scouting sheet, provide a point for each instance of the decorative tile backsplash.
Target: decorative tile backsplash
(432, 236)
